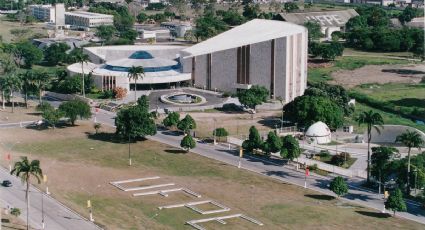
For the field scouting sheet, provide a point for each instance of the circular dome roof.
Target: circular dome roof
(318, 129)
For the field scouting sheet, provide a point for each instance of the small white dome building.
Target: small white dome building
(319, 133)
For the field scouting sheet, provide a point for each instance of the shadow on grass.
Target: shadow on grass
(111, 137)
(403, 71)
(374, 214)
(409, 102)
(44, 126)
(175, 151)
(320, 197)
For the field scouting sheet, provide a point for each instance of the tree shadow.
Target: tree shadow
(320, 197)
(374, 214)
(403, 71)
(175, 151)
(271, 122)
(410, 102)
(34, 114)
(107, 137)
(172, 133)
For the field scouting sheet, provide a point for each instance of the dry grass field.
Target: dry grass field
(80, 166)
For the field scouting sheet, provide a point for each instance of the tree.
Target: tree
(188, 143)
(134, 73)
(52, 116)
(407, 15)
(290, 148)
(314, 30)
(77, 55)
(186, 124)
(380, 158)
(232, 17)
(172, 119)
(40, 81)
(275, 6)
(26, 54)
(12, 83)
(142, 17)
(254, 140)
(208, 26)
(396, 202)
(370, 119)
(26, 85)
(105, 32)
(306, 110)
(74, 109)
(26, 170)
(251, 11)
(290, 7)
(272, 144)
(220, 132)
(410, 139)
(339, 186)
(135, 122)
(56, 53)
(97, 126)
(15, 212)
(130, 35)
(253, 96)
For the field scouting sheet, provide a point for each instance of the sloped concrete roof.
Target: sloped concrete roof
(254, 31)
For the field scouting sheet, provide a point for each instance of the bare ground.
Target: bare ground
(379, 74)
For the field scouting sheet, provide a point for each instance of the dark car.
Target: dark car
(6, 183)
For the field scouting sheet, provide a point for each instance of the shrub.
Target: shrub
(226, 94)
(423, 80)
(120, 93)
(313, 167)
(339, 159)
(108, 94)
(15, 212)
(324, 153)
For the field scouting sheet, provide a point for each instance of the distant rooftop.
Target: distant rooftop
(87, 14)
(335, 18)
(254, 31)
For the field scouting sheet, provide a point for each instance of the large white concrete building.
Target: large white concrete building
(49, 13)
(83, 19)
(269, 53)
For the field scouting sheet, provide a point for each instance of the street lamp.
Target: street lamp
(214, 132)
(129, 152)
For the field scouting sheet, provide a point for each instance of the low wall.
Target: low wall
(388, 133)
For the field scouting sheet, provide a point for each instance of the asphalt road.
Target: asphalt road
(56, 215)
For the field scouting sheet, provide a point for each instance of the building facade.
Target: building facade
(45, 13)
(269, 53)
(83, 19)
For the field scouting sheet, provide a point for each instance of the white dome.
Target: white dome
(319, 132)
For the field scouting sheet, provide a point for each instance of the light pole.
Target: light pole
(214, 132)
(129, 151)
(42, 211)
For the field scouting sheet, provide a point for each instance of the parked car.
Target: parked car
(6, 183)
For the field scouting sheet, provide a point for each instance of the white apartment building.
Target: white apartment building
(83, 19)
(45, 13)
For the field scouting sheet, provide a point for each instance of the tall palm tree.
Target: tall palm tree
(79, 56)
(410, 139)
(136, 72)
(12, 83)
(371, 120)
(41, 81)
(7, 66)
(25, 170)
(26, 79)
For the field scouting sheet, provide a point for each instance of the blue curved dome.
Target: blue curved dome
(141, 55)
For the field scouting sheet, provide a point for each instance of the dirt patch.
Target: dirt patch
(379, 74)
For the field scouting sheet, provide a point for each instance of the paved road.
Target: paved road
(56, 215)
(278, 169)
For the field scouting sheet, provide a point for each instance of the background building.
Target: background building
(45, 13)
(260, 52)
(177, 29)
(83, 19)
(330, 21)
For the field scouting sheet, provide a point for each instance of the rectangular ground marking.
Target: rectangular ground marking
(148, 187)
(166, 192)
(183, 204)
(118, 183)
(220, 219)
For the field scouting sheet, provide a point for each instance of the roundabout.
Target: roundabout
(183, 98)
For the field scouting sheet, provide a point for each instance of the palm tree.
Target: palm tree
(26, 79)
(370, 119)
(25, 170)
(7, 66)
(12, 83)
(410, 139)
(136, 72)
(41, 81)
(79, 56)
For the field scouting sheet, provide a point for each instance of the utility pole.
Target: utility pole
(129, 152)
